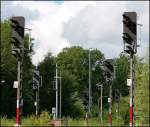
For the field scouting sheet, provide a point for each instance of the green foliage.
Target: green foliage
(142, 92)
(124, 110)
(8, 71)
(69, 97)
(47, 93)
(122, 72)
(76, 61)
(9, 74)
(78, 108)
(95, 110)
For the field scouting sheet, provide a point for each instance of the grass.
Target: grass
(44, 119)
(82, 122)
(33, 121)
(7, 122)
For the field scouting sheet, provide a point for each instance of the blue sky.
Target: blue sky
(91, 24)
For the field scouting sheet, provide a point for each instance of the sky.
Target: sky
(90, 24)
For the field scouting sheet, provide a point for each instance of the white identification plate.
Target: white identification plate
(53, 110)
(15, 84)
(129, 82)
(109, 99)
(35, 103)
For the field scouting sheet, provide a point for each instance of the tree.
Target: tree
(8, 71)
(47, 92)
(122, 73)
(76, 61)
(9, 74)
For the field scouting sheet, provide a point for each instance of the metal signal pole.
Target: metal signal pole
(21, 81)
(89, 106)
(37, 100)
(19, 90)
(41, 81)
(56, 92)
(60, 97)
(18, 96)
(100, 98)
(110, 96)
(110, 105)
(131, 90)
(101, 103)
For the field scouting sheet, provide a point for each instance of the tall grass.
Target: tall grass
(43, 119)
(7, 122)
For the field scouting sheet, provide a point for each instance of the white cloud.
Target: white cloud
(97, 27)
(48, 29)
(96, 24)
(9, 8)
(101, 26)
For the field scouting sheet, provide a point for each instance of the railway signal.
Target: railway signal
(109, 71)
(109, 74)
(130, 47)
(17, 37)
(36, 86)
(36, 79)
(130, 32)
(17, 24)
